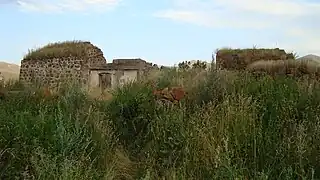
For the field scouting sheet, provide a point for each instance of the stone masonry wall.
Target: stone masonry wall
(94, 58)
(239, 59)
(136, 63)
(52, 72)
(121, 70)
(142, 66)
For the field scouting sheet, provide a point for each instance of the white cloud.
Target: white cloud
(58, 6)
(295, 21)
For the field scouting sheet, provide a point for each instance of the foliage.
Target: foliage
(231, 126)
(199, 65)
(185, 65)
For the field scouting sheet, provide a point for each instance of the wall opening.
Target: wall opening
(104, 81)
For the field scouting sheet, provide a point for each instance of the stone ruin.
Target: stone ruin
(119, 72)
(136, 63)
(60, 62)
(239, 59)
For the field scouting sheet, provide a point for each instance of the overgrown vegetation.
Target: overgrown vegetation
(59, 50)
(232, 126)
(283, 67)
(248, 50)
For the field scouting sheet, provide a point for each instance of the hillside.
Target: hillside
(9, 71)
(310, 57)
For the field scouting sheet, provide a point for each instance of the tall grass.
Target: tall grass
(231, 126)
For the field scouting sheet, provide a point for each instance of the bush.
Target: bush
(64, 138)
(131, 110)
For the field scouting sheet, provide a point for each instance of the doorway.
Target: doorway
(104, 81)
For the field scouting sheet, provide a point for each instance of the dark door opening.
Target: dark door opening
(104, 81)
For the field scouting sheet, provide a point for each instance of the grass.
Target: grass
(59, 50)
(283, 67)
(253, 49)
(232, 126)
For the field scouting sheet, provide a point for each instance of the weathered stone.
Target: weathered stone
(118, 72)
(239, 59)
(53, 71)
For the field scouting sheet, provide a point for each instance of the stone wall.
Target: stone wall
(239, 59)
(129, 64)
(94, 81)
(94, 58)
(121, 71)
(54, 71)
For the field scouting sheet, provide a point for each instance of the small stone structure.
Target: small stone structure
(118, 72)
(239, 59)
(59, 62)
(81, 62)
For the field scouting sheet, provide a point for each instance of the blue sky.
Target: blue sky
(163, 32)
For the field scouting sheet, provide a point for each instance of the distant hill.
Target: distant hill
(310, 57)
(9, 71)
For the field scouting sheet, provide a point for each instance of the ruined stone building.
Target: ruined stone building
(78, 61)
(118, 72)
(60, 62)
(239, 59)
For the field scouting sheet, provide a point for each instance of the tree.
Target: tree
(199, 65)
(184, 65)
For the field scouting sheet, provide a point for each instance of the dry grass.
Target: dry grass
(231, 126)
(285, 67)
(59, 49)
(229, 50)
(153, 74)
(121, 166)
(96, 93)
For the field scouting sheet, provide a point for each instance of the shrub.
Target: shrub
(131, 110)
(62, 139)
